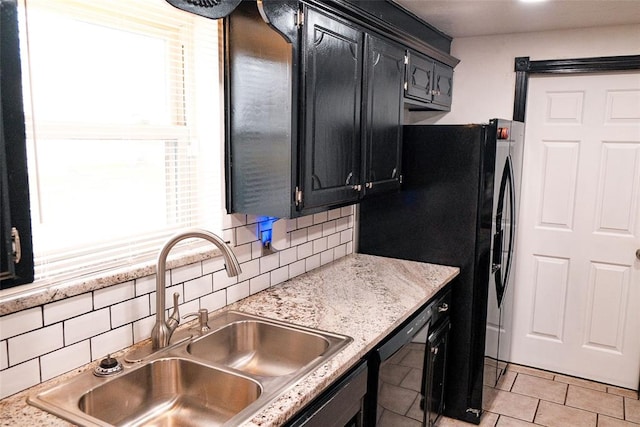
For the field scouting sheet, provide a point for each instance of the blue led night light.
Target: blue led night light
(265, 226)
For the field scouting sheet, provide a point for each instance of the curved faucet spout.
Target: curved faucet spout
(162, 330)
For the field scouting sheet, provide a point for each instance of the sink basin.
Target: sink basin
(260, 348)
(223, 378)
(168, 392)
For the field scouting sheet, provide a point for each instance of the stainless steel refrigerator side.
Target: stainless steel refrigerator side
(502, 282)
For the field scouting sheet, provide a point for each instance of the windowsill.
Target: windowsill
(46, 290)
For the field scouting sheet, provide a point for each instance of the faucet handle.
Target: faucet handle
(174, 319)
(203, 318)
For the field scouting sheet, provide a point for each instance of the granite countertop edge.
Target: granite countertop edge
(362, 296)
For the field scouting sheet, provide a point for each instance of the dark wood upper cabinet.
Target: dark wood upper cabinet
(383, 117)
(314, 108)
(429, 83)
(332, 66)
(16, 249)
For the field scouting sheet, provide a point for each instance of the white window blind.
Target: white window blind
(124, 128)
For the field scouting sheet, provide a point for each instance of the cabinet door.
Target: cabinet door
(419, 77)
(332, 55)
(384, 83)
(442, 85)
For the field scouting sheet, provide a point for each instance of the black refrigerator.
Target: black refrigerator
(457, 181)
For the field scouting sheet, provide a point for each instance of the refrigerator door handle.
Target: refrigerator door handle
(502, 277)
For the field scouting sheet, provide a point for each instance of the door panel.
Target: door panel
(578, 293)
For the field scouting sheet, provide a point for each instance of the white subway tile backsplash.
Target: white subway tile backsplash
(145, 285)
(326, 257)
(42, 342)
(297, 268)
(4, 356)
(214, 301)
(130, 311)
(342, 223)
(305, 250)
(242, 253)
(20, 322)
(333, 240)
(314, 232)
(299, 237)
(229, 236)
(222, 280)
(334, 214)
(246, 234)
(66, 308)
(113, 294)
(346, 236)
(196, 288)
(19, 377)
(279, 275)
(86, 326)
(214, 264)
(329, 228)
(186, 273)
(292, 224)
(256, 249)
(233, 220)
(312, 262)
(111, 341)
(320, 217)
(305, 221)
(339, 251)
(237, 292)
(249, 269)
(269, 262)
(142, 328)
(33, 344)
(259, 283)
(319, 245)
(65, 359)
(288, 256)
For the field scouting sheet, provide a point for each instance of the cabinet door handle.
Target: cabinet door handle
(357, 187)
(369, 185)
(17, 248)
(443, 307)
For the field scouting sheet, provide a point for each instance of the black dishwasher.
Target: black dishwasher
(407, 370)
(340, 405)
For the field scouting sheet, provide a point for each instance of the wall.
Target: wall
(484, 81)
(42, 342)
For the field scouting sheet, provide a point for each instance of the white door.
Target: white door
(577, 296)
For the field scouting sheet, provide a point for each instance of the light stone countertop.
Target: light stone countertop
(362, 296)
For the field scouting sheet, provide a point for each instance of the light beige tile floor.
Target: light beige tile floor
(526, 397)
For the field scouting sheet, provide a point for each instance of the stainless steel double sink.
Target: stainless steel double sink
(223, 378)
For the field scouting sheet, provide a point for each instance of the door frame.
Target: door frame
(524, 67)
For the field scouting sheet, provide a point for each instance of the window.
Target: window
(124, 122)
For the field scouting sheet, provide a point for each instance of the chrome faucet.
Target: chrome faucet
(162, 330)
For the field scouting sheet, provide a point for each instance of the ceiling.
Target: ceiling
(468, 18)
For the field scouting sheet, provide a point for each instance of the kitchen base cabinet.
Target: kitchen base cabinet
(340, 405)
